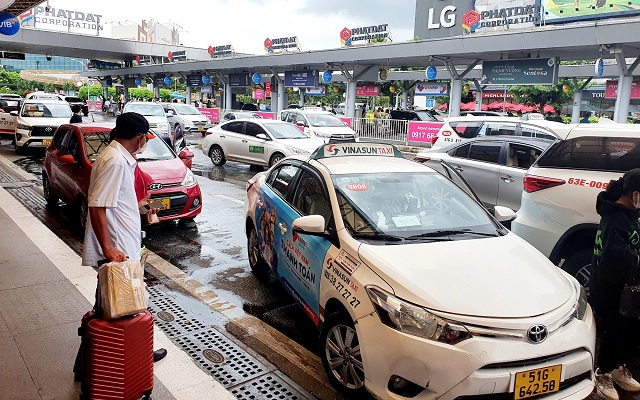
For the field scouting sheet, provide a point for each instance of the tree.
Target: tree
(89, 91)
(539, 95)
(140, 93)
(68, 87)
(165, 94)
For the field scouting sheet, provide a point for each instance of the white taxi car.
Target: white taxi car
(261, 142)
(38, 120)
(417, 291)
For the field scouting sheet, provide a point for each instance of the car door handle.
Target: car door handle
(507, 179)
(244, 141)
(457, 168)
(283, 229)
(222, 136)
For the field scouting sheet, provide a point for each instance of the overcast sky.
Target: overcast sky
(246, 23)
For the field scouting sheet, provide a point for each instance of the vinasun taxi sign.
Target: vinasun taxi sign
(355, 149)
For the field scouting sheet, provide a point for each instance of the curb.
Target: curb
(17, 171)
(295, 361)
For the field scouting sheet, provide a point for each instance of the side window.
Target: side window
(253, 129)
(283, 178)
(73, 146)
(283, 116)
(594, 153)
(487, 152)
(59, 137)
(530, 132)
(310, 197)
(461, 152)
(500, 129)
(466, 129)
(300, 118)
(522, 156)
(166, 109)
(233, 126)
(229, 117)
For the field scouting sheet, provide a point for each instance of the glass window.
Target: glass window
(466, 129)
(47, 110)
(283, 116)
(72, 146)
(300, 118)
(461, 152)
(530, 132)
(487, 152)
(235, 126)
(253, 129)
(522, 156)
(94, 143)
(185, 109)
(285, 131)
(229, 116)
(310, 197)
(282, 180)
(493, 128)
(326, 120)
(58, 138)
(150, 109)
(157, 149)
(594, 153)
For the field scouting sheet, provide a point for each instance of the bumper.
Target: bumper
(194, 129)
(184, 204)
(482, 367)
(23, 139)
(534, 226)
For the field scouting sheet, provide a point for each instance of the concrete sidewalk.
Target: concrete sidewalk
(44, 291)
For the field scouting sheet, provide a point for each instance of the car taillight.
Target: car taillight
(534, 183)
(434, 139)
(250, 183)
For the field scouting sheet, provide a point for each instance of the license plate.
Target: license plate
(46, 142)
(537, 381)
(166, 204)
(201, 128)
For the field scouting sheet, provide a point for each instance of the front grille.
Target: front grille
(41, 131)
(342, 139)
(177, 201)
(531, 361)
(153, 126)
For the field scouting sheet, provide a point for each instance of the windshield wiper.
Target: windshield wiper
(447, 232)
(378, 235)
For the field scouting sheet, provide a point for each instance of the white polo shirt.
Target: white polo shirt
(112, 187)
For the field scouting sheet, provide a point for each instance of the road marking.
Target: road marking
(222, 196)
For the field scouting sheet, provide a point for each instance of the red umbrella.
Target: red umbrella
(548, 109)
(484, 107)
(470, 106)
(496, 105)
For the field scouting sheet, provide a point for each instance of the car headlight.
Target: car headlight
(414, 320)
(189, 179)
(295, 150)
(582, 302)
(187, 122)
(163, 126)
(24, 127)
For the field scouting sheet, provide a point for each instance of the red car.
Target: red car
(67, 170)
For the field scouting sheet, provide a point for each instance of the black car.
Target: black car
(411, 115)
(73, 100)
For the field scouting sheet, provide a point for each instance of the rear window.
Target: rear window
(593, 153)
(466, 129)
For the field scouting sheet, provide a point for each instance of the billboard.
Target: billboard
(431, 89)
(240, 79)
(306, 78)
(530, 71)
(611, 92)
(561, 11)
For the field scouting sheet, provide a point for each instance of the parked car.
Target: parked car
(457, 129)
(37, 122)
(494, 166)
(188, 117)
(249, 107)
(320, 124)
(558, 215)
(415, 296)
(66, 171)
(231, 115)
(410, 115)
(73, 100)
(153, 113)
(261, 142)
(13, 102)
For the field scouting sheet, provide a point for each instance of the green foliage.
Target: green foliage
(542, 94)
(165, 94)
(142, 94)
(86, 91)
(49, 87)
(68, 87)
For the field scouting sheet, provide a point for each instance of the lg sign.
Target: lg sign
(447, 18)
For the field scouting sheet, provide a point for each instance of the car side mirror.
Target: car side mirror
(310, 225)
(170, 113)
(300, 123)
(14, 113)
(66, 159)
(504, 214)
(262, 136)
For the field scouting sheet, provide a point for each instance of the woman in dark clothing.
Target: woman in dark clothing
(616, 262)
(77, 114)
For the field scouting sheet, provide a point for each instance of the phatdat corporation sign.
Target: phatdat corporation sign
(221, 51)
(282, 44)
(374, 33)
(65, 19)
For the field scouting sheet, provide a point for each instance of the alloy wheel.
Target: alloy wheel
(342, 350)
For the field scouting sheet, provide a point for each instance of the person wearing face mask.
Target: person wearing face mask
(616, 263)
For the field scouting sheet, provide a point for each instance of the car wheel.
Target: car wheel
(341, 355)
(49, 196)
(83, 213)
(217, 155)
(275, 159)
(579, 266)
(256, 262)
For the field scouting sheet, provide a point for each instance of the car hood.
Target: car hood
(493, 277)
(194, 118)
(338, 130)
(43, 121)
(156, 119)
(165, 171)
(308, 144)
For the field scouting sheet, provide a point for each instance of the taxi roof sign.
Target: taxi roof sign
(356, 149)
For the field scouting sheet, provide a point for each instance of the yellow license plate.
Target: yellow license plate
(46, 142)
(537, 381)
(166, 204)
(201, 128)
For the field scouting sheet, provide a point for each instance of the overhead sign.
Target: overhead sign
(62, 19)
(365, 33)
(9, 24)
(99, 64)
(267, 89)
(599, 67)
(316, 91)
(138, 81)
(221, 51)
(431, 72)
(496, 95)
(281, 44)
(327, 76)
(177, 56)
(611, 92)
(556, 11)
(533, 71)
(12, 56)
(194, 80)
(431, 89)
(308, 78)
(158, 81)
(367, 90)
(241, 79)
(493, 16)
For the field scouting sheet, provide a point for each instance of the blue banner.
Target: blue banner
(307, 78)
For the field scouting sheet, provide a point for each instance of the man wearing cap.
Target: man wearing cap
(113, 229)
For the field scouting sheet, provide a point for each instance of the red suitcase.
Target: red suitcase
(118, 357)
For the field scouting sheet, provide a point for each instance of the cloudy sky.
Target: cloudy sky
(246, 23)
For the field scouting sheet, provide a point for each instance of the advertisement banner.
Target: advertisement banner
(346, 121)
(496, 95)
(561, 11)
(367, 90)
(221, 51)
(535, 71)
(431, 89)
(316, 91)
(258, 94)
(212, 113)
(265, 115)
(239, 80)
(423, 131)
(301, 78)
(379, 33)
(194, 80)
(281, 44)
(611, 92)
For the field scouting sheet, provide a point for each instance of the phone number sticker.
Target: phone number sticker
(345, 290)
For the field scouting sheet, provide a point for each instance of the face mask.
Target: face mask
(143, 148)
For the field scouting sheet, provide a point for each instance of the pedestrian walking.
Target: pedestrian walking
(616, 263)
(77, 114)
(113, 230)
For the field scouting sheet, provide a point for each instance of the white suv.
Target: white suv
(320, 124)
(558, 210)
(37, 122)
(154, 114)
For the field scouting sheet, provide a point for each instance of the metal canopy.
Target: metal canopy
(20, 6)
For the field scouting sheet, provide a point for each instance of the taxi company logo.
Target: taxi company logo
(537, 334)
(333, 150)
(471, 21)
(297, 238)
(155, 186)
(170, 56)
(345, 36)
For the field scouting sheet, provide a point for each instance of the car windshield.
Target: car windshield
(157, 149)
(285, 131)
(409, 206)
(46, 110)
(150, 109)
(186, 110)
(327, 120)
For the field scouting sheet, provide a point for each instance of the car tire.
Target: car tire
(341, 355)
(578, 265)
(217, 155)
(258, 265)
(275, 159)
(49, 195)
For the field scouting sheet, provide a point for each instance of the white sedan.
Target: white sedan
(256, 141)
(417, 291)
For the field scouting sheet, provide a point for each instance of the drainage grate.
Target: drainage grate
(170, 317)
(265, 387)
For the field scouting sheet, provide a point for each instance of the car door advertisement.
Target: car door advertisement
(7, 123)
(296, 259)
